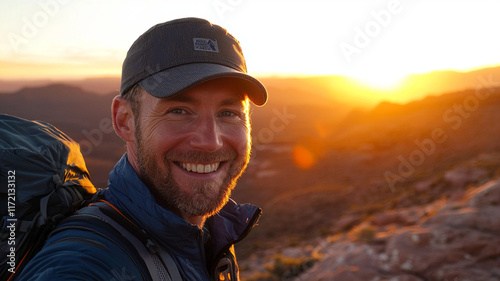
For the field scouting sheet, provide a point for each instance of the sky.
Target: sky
(376, 41)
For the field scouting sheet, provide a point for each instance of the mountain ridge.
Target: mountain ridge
(331, 88)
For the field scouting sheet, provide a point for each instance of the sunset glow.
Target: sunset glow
(379, 81)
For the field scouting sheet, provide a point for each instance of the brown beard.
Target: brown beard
(204, 200)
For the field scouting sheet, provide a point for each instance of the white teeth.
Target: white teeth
(200, 168)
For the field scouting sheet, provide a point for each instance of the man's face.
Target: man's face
(191, 148)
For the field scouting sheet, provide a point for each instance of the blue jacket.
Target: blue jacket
(83, 255)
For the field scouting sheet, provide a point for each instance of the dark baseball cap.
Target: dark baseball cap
(173, 56)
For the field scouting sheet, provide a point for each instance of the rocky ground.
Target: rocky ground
(448, 240)
(455, 238)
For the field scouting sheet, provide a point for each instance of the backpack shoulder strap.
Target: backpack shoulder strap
(104, 219)
(158, 252)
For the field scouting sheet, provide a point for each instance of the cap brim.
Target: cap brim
(173, 81)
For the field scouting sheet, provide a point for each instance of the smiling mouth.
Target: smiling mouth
(200, 168)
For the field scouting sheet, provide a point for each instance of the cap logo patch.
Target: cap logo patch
(207, 45)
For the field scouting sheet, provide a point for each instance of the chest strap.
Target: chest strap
(104, 219)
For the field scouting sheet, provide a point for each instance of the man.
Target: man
(183, 112)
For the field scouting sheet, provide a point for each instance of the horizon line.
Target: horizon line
(257, 75)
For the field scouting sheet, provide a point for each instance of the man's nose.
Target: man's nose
(206, 135)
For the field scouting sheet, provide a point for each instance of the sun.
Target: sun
(379, 80)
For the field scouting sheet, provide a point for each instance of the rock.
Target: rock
(352, 273)
(345, 223)
(463, 175)
(424, 186)
(294, 252)
(488, 195)
(406, 278)
(338, 260)
(458, 242)
(406, 216)
(484, 219)
(464, 274)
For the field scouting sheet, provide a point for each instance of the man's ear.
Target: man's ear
(123, 119)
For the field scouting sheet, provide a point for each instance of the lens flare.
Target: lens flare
(303, 157)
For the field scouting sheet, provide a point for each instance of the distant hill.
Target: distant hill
(84, 116)
(327, 89)
(99, 85)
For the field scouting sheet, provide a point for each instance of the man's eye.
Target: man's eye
(178, 111)
(232, 114)
(228, 114)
